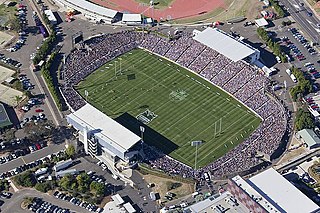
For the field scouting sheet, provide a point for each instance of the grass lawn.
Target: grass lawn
(175, 105)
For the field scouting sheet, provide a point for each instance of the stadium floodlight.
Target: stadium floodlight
(196, 144)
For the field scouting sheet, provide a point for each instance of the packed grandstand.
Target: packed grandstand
(239, 79)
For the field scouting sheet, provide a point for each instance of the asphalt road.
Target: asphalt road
(299, 14)
(13, 205)
(31, 157)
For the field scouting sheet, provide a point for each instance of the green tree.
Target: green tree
(97, 189)
(304, 120)
(65, 182)
(26, 179)
(43, 187)
(70, 151)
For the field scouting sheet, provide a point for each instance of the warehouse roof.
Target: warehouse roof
(224, 44)
(281, 192)
(120, 137)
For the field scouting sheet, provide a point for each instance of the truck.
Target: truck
(62, 165)
(66, 172)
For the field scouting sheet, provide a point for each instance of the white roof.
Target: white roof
(121, 138)
(224, 44)
(129, 208)
(117, 199)
(261, 22)
(282, 193)
(50, 15)
(99, 10)
(131, 18)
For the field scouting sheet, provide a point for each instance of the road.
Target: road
(14, 203)
(31, 157)
(307, 23)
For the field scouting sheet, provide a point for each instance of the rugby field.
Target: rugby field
(175, 105)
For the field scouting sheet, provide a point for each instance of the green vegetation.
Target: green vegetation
(8, 18)
(26, 179)
(180, 106)
(303, 120)
(82, 186)
(275, 4)
(45, 48)
(4, 185)
(70, 151)
(43, 187)
(275, 47)
(45, 70)
(304, 86)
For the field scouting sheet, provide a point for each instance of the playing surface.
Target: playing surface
(175, 105)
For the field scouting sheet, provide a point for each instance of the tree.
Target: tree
(70, 151)
(28, 94)
(303, 120)
(26, 179)
(17, 99)
(65, 182)
(83, 181)
(43, 187)
(97, 189)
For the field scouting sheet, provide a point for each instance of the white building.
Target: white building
(270, 192)
(261, 22)
(227, 45)
(51, 17)
(102, 136)
(91, 11)
(131, 19)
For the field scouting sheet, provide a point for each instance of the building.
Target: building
(92, 11)
(62, 165)
(102, 136)
(4, 118)
(131, 19)
(51, 17)
(217, 203)
(66, 172)
(309, 137)
(118, 205)
(226, 45)
(270, 192)
(261, 22)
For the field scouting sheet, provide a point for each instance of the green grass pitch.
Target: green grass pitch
(184, 107)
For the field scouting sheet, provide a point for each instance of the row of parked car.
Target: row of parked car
(312, 104)
(312, 70)
(40, 206)
(77, 201)
(297, 35)
(30, 165)
(9, 61)
(294, 49)
(14, 155)
(22, 16)
(34, 118)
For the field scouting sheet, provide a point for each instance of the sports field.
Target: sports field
(175, 106)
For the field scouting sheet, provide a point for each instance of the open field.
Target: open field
(175, 106)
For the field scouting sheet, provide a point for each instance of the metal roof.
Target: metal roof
(309, 137)
(131, 17)
(93, 8)
(281, 193)
(120, 137)
(224, 44)
(261, 22)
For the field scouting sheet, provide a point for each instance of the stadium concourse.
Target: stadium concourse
(237, 78)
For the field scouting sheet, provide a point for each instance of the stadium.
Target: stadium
(173, 93)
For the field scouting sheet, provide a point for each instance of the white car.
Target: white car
(278, 59)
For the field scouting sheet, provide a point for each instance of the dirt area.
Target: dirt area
(161, 185)
(295, 149)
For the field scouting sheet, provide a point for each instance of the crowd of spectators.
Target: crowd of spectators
(237, 78)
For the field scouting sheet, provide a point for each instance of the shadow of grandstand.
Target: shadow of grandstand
(150, 136)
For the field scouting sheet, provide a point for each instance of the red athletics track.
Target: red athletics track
(179, 8)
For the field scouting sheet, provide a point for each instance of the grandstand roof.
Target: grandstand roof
(281, 192)
(309, 137)
(91, 7)
(131, 18)
(122, 138)
(224, 44)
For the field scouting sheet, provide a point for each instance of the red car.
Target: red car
(38, 146)
(39, 110)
